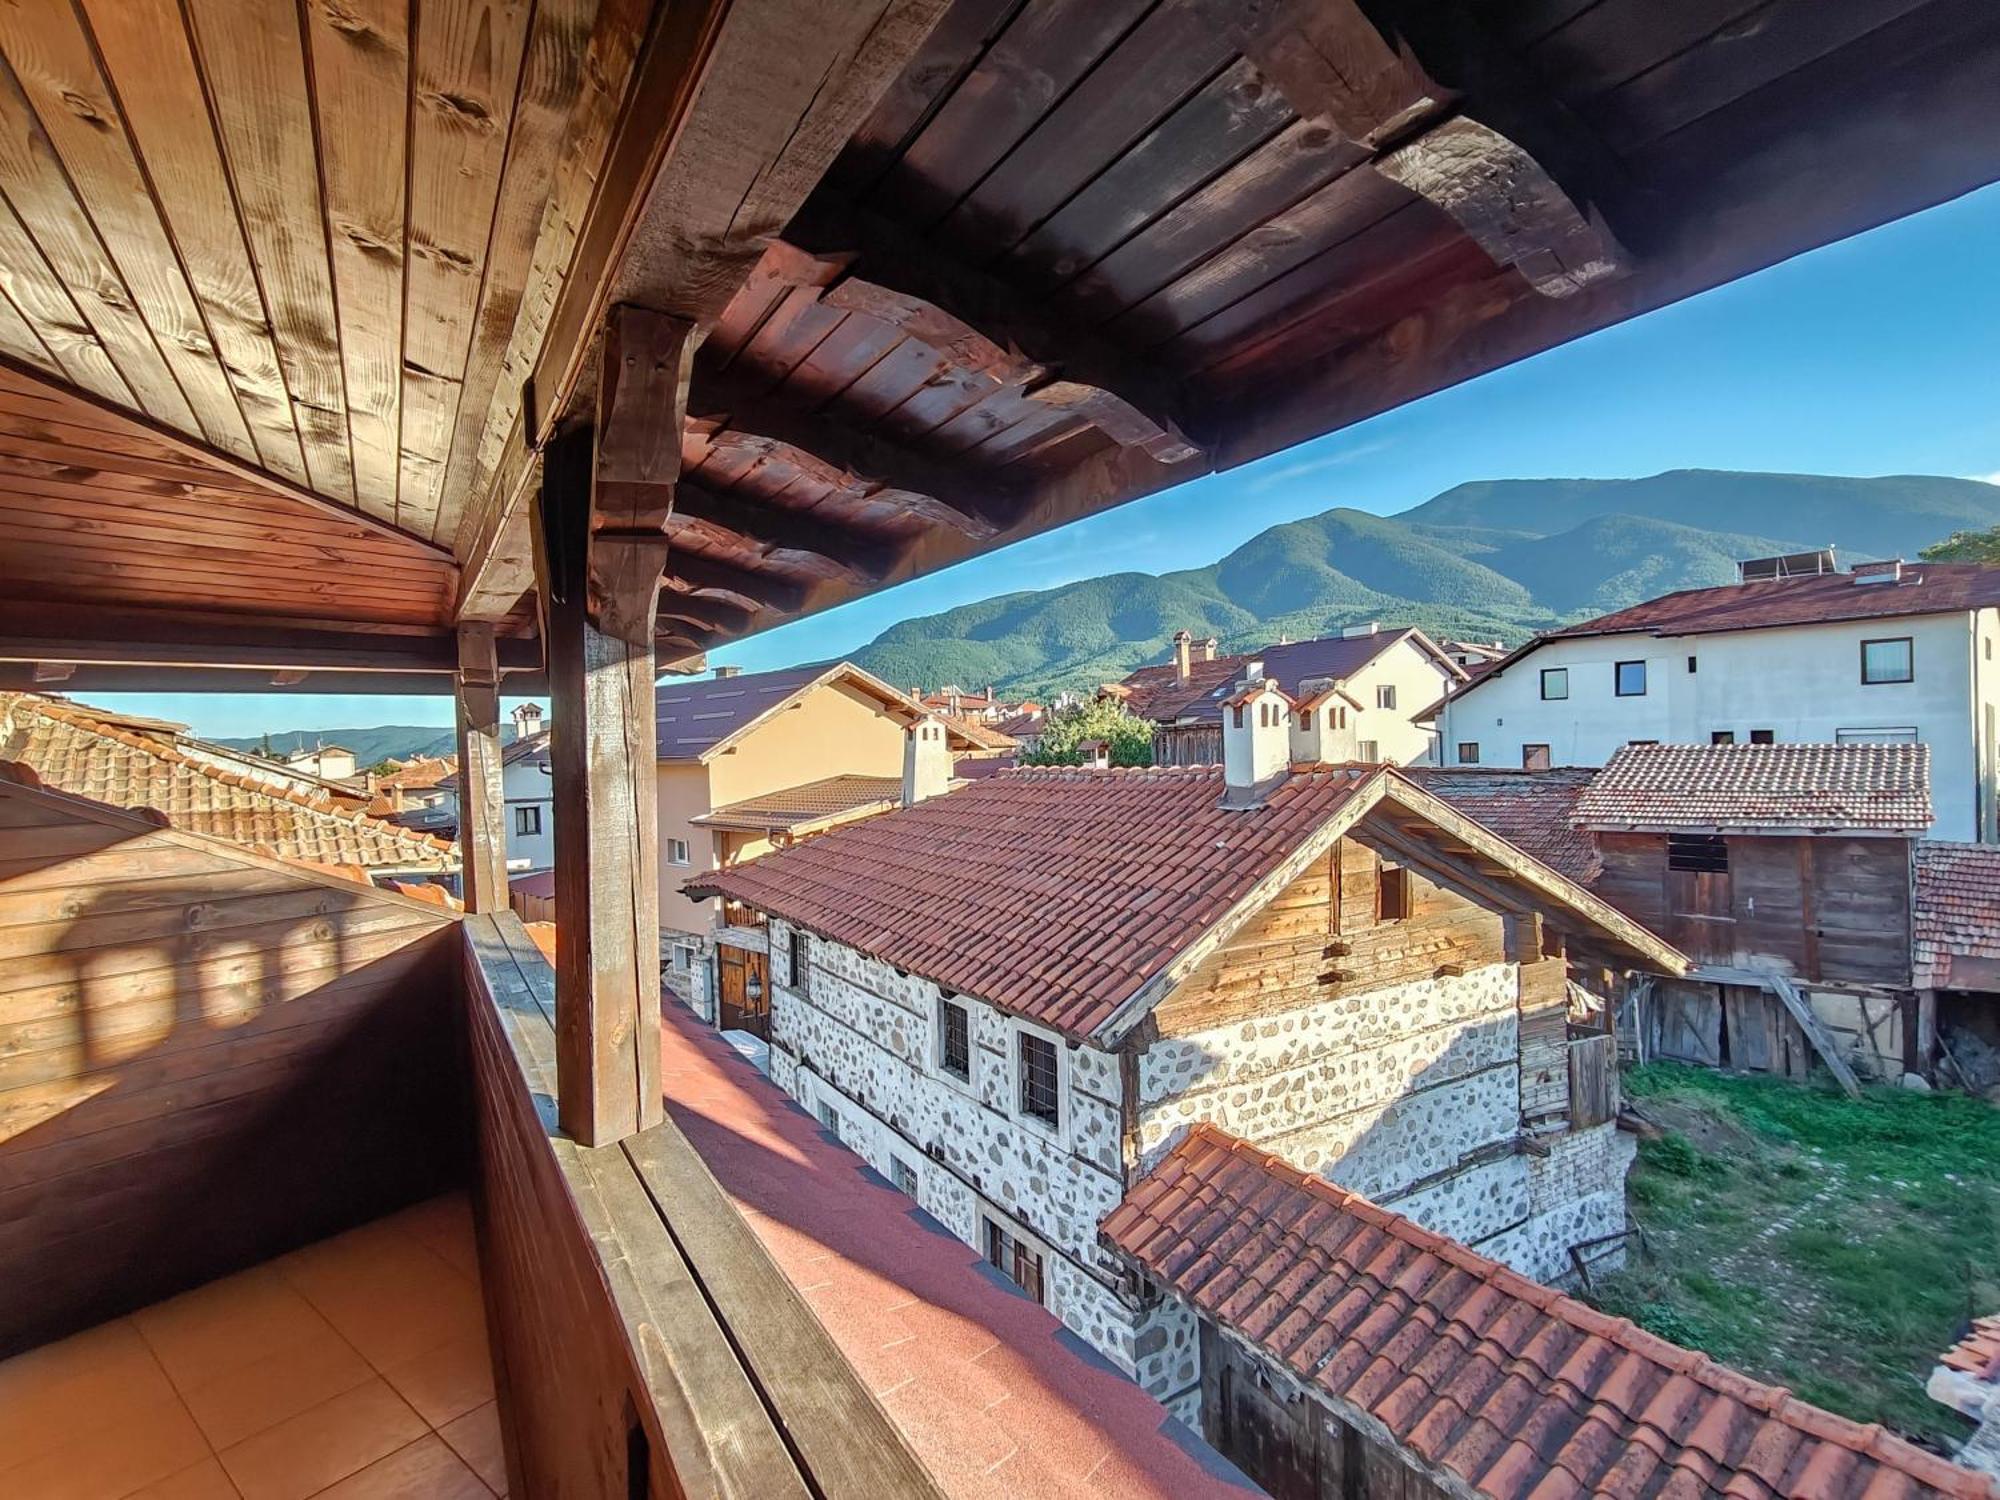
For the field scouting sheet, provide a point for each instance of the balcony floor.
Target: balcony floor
(354, 1369)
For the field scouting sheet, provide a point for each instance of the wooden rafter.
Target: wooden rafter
(766, 590)
(765, 527)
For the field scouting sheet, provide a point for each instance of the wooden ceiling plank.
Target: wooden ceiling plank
(19, 339)
(33, 181)
(33, 286)
(195, 578)
(467, 67)
(551, 80)
(59, 77)
(253, 58)
(147, 637)
(358, 53)
(163, 527)
(53, 448)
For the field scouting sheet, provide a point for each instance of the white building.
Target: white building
(1889, 651)
(529, 790)
(1013, 998)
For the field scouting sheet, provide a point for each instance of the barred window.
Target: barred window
(1014, 1260)
(955, 1039)
(1705, 853)
(800, 967)
(1039, 1096)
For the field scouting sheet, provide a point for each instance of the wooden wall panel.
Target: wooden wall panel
(206, 1057)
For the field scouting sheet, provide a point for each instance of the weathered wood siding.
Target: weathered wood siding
(1325, 936)
(206, 1057)
(1827, 910)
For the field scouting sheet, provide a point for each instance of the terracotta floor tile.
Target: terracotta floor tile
(205, 1481)
(246, 1400)
(227, 1324)
(444, 1227)
(475, 1437)
(448, 1381)
(147, 1445)
(94, 1380)
(308, 1452)
(426, 1470)
(387, 1294)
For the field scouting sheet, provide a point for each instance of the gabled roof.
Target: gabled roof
(1532, 810)
(69, 748)
(1783, 788)
(1157, 693)
(1956, 915)
(1925, 588)
(1077, 897)
(803, 809)
(700, 717)
(1506, 1385)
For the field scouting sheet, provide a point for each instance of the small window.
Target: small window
(527, 820)
(1722, 737)
(1534, 757)
(801, 963)
(1642, 742)
(904, 1175)
(1014, 1260)
(1904, 734)
(677, 852)
(1040, 1098)
(1385, 695)
(1236, 716)
(828, 1120)
(1763, 737)
(1887, 661)
(1468, 752)
(1703, 853)
(1343, 718)
(955, 1040)
(1368, 750)
(1690, 663)
(1305, 718)
(1555, 683)
(1393, 894)
(1631, 679)
(683, 957)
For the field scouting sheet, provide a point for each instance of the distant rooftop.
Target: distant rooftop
(1870, 788)
(1159, 694)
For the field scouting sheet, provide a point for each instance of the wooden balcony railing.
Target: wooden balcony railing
(644, 1342)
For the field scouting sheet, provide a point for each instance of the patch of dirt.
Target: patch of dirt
(1711, 1132)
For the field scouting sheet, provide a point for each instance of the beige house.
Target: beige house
(752, 762)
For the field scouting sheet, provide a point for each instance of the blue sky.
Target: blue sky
(1874, 356)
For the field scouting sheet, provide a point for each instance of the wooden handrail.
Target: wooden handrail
(636, 1316)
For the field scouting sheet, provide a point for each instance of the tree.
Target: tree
(1966, 546)
(1131, 739)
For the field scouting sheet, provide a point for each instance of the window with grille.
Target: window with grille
(1039, 1097)
(828, 1120)
(955, 1040)
(1015, 1260)
(1704, 853)
(801, 968)
(905, 1176)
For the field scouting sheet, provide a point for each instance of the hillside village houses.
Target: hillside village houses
(1013, 999)
(1795, 651)
(1362, 691)
(529, 790)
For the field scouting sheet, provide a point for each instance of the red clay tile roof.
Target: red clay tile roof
(1052, 892)
(1956, 911)
(1533, 810)
(1472, 1368)
(1158, 694)
(420, 773)
(834, 799)
(1925, 588)
(68, 747)
(1859, 788)
(1978, 1353)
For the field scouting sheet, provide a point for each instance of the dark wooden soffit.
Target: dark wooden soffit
(1077, 254)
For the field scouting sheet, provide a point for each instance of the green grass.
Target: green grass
(1888, 1214)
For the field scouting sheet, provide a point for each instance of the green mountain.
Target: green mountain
(1494, 559)
(383, 742)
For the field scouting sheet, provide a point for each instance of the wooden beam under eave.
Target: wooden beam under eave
(767, 591)
(764, 526)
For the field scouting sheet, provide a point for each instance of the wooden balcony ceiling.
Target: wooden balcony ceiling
(969, 268)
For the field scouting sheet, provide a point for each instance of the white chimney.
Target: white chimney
(926, 762)
(1183, 648)
(527, 721)
(1355, 632)
(1312, 727)
(1209, 648)
(1256, 741)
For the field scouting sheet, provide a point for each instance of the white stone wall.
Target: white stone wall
(1575, 1193)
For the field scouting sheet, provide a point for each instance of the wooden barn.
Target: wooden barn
(372, 344)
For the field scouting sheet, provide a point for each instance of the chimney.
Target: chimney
(926, 761)
(1096, 754)
(1256, 741)
(527, 721)
(1183, 645)
(721, 672)
(1208, 648)
(1312, 730)
(1355, 632)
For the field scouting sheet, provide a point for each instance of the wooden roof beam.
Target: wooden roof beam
(705, 613)
(1134, 403)
(764, 590)
(772, 526)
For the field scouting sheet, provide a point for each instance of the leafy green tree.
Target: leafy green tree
(1966, 546)
(1130, 739)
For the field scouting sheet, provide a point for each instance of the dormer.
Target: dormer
(1256, 741)
(1321, 728)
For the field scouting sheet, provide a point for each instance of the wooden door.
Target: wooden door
(1700, 922)
(744, 985)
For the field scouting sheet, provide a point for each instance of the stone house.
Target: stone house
(1013, 998)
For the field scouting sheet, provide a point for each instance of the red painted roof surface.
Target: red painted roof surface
(1862, 788)
(69, 747)
(996, 1397)
(1925, 588)
(1530, 809)
(1978, 1353)
(1051, 892)
(1512, 1387)
(1157, 693)
(1956, 911)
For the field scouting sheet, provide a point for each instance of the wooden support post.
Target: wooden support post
(607, 493)
(482, 830)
